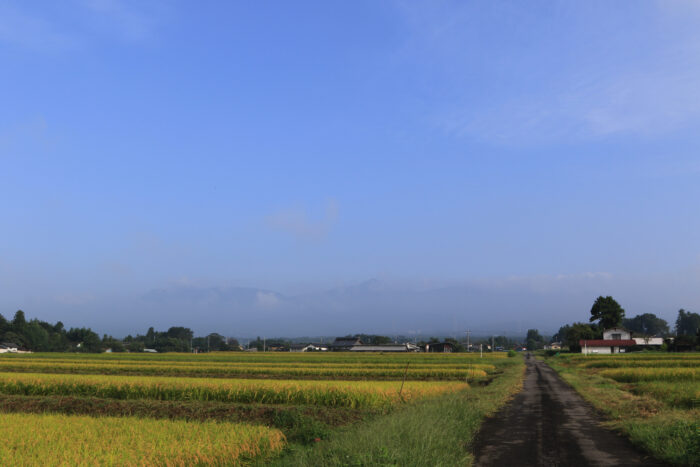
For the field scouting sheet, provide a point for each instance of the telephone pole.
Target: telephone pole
(469, 347)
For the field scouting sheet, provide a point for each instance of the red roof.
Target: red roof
(607, 343)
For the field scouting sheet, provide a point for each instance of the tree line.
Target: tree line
(606, 313)
(41, 336)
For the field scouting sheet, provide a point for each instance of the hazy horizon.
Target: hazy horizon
(315, 168)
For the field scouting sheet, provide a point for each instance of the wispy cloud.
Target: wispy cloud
(576, 78)
(23, 29)
(299, 223)
(77, 24)
(644, 103)
(127, 19)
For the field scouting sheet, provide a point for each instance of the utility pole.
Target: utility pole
(481, 350)
(493, 348)
(263, 344)
(207, 344)
(469, 347)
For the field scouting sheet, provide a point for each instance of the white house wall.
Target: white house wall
(596, 350)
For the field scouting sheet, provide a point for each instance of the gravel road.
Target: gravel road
(549, 424)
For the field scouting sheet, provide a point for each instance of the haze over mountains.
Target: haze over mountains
(500, 306)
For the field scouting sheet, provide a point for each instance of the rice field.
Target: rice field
(219, 408)
(367, 371)
(352, 394)
(70, 440)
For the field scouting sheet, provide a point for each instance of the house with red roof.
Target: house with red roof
(615, 340)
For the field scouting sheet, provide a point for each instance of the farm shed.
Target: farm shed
(344, 343)
(385, 348)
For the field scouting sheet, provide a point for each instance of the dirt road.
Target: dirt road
(549, 424)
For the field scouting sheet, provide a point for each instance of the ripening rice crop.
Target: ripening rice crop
(633, 375)
(351, 394)
(77, 440)
(334, 358)
(354, 371)
(157, 362)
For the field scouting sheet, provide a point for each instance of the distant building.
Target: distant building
(344, 343)
(308, 348)
(442, 347)
(617, 340)
(150, 350)
(408, 347)
(553, 346)
(353, 344)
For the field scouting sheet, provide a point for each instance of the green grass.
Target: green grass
(435, 432)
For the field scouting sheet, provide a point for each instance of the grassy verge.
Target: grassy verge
(664, 431)
(436, 431)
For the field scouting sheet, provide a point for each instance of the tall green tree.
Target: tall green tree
(19, 321)
(570, 335)
(607, 312)
(533, 340)
(4, 325)
(687, 323)
(648, 324)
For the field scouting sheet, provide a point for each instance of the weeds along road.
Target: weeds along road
(549, 424)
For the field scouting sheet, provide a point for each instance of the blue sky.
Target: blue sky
(302, 146)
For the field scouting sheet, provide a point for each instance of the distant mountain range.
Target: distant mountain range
(373, 306)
